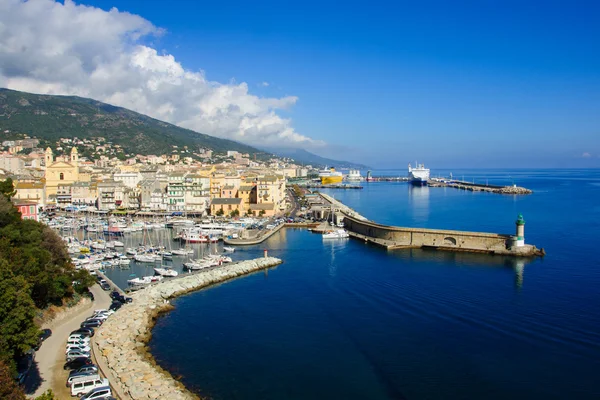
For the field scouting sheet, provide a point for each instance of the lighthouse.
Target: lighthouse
(520, 239)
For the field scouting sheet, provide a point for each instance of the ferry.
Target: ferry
(330, 176)
(354, 176)
(419, 175)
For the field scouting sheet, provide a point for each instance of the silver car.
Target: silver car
(74, 354)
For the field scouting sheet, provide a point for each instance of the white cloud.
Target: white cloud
(54, 48)
(586, 155)
(264, 84)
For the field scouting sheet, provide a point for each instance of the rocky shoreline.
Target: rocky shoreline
(120, 343)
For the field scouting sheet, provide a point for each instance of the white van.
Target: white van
(79, 341)
(81, 386)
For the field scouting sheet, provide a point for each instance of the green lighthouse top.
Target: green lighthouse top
(520, 220)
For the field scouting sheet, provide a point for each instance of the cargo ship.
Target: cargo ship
(419, 175)
(330, 176)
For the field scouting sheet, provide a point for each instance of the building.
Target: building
(219, 206)
(27, 209)
(34, 192)
(11, 163)
(60, 172)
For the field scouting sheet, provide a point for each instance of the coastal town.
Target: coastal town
(94, 175)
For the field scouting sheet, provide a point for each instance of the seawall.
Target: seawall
(394, 237)
(121, 341)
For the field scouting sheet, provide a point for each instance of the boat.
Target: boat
(330, 176)
(193, 235)
(337, 234)
(354, 176)
(197, 265)
(419, 175)
(124, 260)
(165, 271)
(229, 249)
(182, 252)
(143, 281)
(144, 258)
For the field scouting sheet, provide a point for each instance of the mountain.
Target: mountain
(50, 117)
(305, 157)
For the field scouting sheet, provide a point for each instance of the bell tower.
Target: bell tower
(74, 157)
(48, 157)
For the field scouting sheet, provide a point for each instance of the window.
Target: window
(31, 209)
(62, 176)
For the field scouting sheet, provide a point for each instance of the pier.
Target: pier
(476, 187)
(393, 237)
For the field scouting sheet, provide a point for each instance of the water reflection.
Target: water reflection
(418, 199)
(464, 259)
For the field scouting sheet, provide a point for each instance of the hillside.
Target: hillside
(305, 157)
(52, 117)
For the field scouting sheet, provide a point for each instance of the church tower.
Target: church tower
(74, 157)
(48, 157)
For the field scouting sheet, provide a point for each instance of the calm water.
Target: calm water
(342, 319)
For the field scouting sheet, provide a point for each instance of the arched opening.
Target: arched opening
(62, 176)
(449, 241)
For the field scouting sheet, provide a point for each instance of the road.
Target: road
(47, 371)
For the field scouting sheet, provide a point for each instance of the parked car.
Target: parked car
(44, 334)
(78, 341)
(105, 286)
(81, 348)
(90, 368)
(71, 355)
(115, 305)
(24, 366)
(79, 375)
(120, 298)
(89, 332)
(84, 385)
(98, 393)
(91, 324)
(77, 363)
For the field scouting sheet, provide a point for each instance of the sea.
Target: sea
(342, 319)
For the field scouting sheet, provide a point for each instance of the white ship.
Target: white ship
(419, 175)
(354, 176)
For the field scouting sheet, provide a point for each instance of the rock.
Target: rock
(123, 336)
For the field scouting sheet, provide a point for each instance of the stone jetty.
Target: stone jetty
(120, 343)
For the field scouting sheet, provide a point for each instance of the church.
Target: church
(60, 172)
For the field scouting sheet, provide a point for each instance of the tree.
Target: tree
(219, 212)
(18, 333)
(9, 389)
(47, 395)
(7, 189)
(235, 213)
(262, 212)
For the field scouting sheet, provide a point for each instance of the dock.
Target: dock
(331, 186)
(477, 187)
(394, 237)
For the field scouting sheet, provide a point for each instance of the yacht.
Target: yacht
(165, 271)
(144, 258)
(337, 234)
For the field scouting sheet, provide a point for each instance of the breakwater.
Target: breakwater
(120, 343)
(476, 187)
(393, 237)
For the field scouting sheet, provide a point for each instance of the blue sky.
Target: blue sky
(452, 84)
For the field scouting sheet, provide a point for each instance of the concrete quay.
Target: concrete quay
(475, 187)
(120, 343)
(393, 237)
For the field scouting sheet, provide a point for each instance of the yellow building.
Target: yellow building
(60, 172)
(31, 191)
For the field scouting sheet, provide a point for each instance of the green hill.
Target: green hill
(52, 117)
